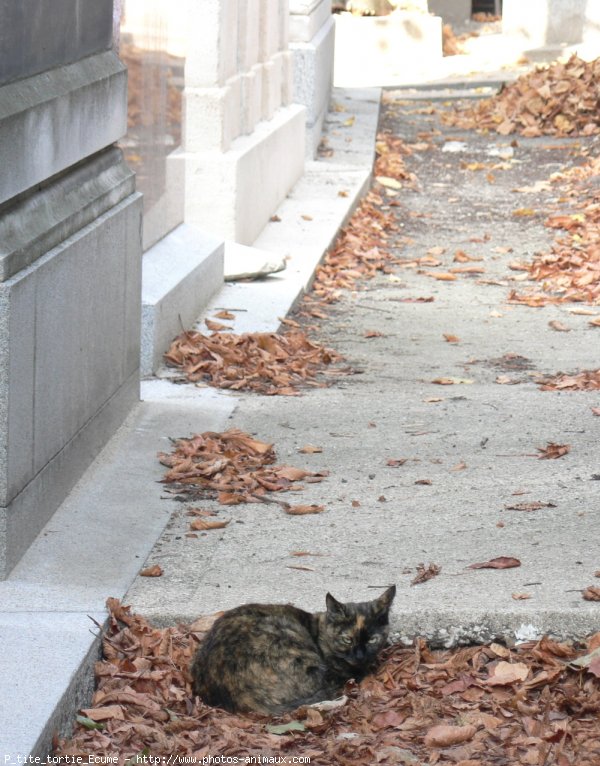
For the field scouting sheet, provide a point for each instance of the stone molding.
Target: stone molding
(45, 218)
(53, 120)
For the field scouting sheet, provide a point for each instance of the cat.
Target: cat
(272, 658)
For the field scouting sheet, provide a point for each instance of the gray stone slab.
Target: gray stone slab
(50, 121)
(47, 672)
(179, 275)
(70, 332)
(313, 71)
(37, 35)
(53, 213)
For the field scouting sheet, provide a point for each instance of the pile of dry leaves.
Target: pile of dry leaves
(361, 250)
(268, 363)
(570, 272)
(561, 100)
(233, 467)
(534, 705)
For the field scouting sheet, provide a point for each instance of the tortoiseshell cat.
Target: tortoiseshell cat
(271, 658)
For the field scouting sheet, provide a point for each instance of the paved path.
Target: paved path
(470, 447)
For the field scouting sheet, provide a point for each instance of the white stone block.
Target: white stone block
(249, 22)
(179, 275)
(287, 70)
(550, 22)
(213, 116)
(269, 29)
(305, 23)
(212, 44)
(372, 50)
(233, 194)
(251, 83)
(271, 88)
(284, 25)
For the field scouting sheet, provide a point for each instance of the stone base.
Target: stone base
(384, 50)
(179, 275)
(233, 194)
(551, 22)
(69, 336)
(313, 76)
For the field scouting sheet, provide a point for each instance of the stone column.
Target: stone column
(312, 38)
(243, 145)
(542, 23)
(69, 257)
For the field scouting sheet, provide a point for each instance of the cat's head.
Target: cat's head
(354, 633)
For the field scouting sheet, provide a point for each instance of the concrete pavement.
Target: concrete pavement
(473, 444)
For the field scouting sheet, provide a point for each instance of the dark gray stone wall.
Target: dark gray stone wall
(37, 35)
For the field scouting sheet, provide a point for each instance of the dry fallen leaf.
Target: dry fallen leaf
(442, 276)
(355, 503)
(452, 381)
(595, 410)
(425, 573)
(501, 562)
(153, 571)
(200, 525)
(215, 326)
(372, 334)
(426, 482)
(302, 510)
(309, 449)
(444, 735)
(396, 461)
(558, 326)
(224, 314)
(553, 451)
(592, 593)
(451, 338)
(521, 596)
(459, 466)
(506, 673)
(533, 506)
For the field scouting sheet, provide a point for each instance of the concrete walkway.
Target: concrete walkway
(109, 528)
(470, 448)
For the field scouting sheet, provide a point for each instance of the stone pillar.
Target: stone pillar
(312, 39)
(243, 142)
(552, 22)
(69, 257)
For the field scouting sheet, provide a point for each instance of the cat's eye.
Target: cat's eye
(346, 640)
(374, 639)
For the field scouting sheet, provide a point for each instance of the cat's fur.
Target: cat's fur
(272, 658)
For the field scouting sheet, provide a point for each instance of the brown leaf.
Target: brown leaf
(595, 410)
(461, 257)
(203, 524)
(459, 466)
(301, 510)
(396, 461)
(423, 481)
(521, 596)
(355, 504)
(388, 719)
(215, 326)
(425, 573)
(501, 562)
(559, 326)
(535, 505)
(444, 735)
(442, 276)
(309, 449)
(372, 334)
(301, 569)
(506, 673)
(451, 338)
(104, 713)
(553, 451)
(592, 593)
(153, 571)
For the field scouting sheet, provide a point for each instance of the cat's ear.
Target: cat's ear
(334, 607)
(384, 602)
